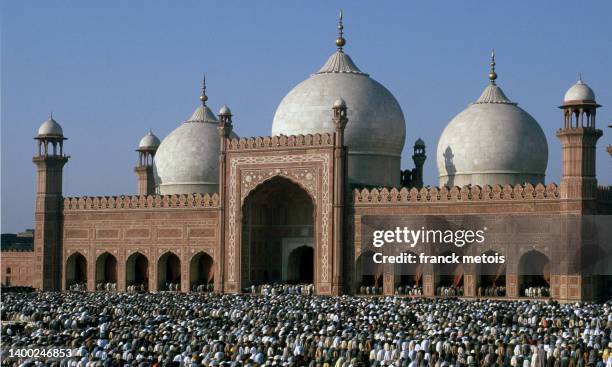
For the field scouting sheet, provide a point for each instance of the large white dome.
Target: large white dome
(376, 129)
(187, 160)
(493, 141)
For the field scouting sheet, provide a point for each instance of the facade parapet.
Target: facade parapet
(469, 193)
(142, 202)
(281, 141)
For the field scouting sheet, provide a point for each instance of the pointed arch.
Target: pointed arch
(263, 182)
(368, 274)
(449, 276)
(169, 272)
(300, 265)
(106, 269)
(491, 277)
(76, 271)
(201, 272)
(534, 274)
(278, 218)
(408, 278)
(137, 270)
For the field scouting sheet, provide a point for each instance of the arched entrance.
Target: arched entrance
(7, 277)
(369, 274)
(595, 267)
(409, 277)
(169, 272)
(449, 277)
(76, 272)
(106, 272)
(277, 220)
(137, 272)
(491, 278)
(201, 273)
(534, 274)
(300, 265)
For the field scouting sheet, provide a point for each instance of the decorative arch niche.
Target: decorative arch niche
(310, 171)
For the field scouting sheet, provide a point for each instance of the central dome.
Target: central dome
(376, 129)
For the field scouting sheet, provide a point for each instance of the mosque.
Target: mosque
(298, 206)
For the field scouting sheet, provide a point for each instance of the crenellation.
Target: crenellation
(467, 193)
(280, 141)
(141, 202)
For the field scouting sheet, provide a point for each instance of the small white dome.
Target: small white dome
(579, 92)
(376, 129)
(225, 110)
(492, 141)
(50, 128)
(340, 103)
(149, 141)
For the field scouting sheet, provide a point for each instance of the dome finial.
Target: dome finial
(492, 73)
(340, 41)
(580, 78)
(203, 96)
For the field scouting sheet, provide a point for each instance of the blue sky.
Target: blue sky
(111, 70)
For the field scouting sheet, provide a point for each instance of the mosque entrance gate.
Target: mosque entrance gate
(311, 162)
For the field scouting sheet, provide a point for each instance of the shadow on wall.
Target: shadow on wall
(450, 167)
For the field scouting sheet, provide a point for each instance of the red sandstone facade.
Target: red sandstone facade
(194, 239)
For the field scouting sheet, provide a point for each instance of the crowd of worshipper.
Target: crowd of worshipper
(450, 291)
(108, 287)
(409, 290)
(204, 329)
(277, 289)
(78, 287)
(491, 291)
(172, 287)
(16, 289)
(537, 292)
(137, 288)
(205, 287)
(370, 290)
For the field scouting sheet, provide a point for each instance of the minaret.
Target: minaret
(579, 137)
(340, 119)
(225, 129)
(144, 170)
(49, 162)
(419, 158)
